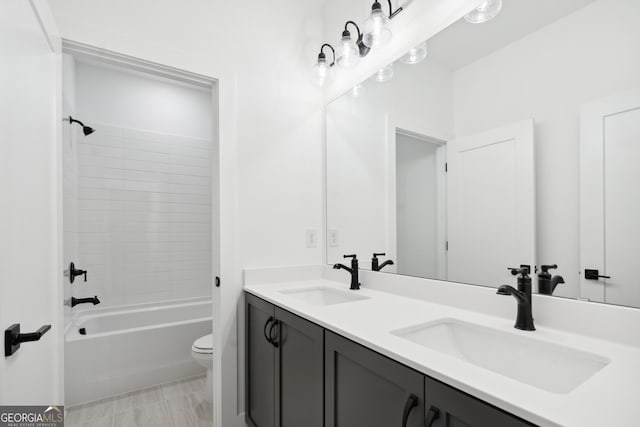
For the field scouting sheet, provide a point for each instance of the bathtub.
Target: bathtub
(132, 347)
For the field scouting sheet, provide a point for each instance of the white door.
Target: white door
(30, 218)
(491, 199)
(610, 200)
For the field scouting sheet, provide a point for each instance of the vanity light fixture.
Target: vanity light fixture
(376, 27)
(351, 50)
(415, 55)
(384, 74)
(487, 10)
(322, 66)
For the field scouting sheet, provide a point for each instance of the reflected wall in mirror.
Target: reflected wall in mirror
(515, 142)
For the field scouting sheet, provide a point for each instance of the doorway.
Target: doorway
(420, 205)
(140, 212)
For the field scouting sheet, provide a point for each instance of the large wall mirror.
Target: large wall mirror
(515, 142)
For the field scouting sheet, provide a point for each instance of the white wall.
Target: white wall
(270, 119)
(548, 75)
(417, 207)
(141, 101)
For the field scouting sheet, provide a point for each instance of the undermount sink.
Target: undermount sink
(551, 367)
(323, 295)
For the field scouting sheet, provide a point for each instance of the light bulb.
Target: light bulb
(415, 55)
(487, 10)
(350, 54)
(375, 28)
(384, 74)
(321, 70)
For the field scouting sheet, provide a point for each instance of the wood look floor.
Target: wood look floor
(178, 404)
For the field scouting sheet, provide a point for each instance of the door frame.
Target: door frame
(592, 204)
(222, 187)
(393, 127)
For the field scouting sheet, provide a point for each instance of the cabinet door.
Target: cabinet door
(448, 407)
(366, 389)
(260, 363)
(299, 372)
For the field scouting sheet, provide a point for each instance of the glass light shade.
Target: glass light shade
(415, 55)
(488, 10)
(349, 52)
(384, 74)
(376, 30)
(321, 71)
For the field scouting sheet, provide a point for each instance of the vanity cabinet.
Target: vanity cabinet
(364, 388)
(284, 367)
(446, 406)
(298, 374)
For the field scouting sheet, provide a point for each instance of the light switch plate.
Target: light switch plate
(333, 238)
(312, 238)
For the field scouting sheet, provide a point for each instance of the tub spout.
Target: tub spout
(76, 301)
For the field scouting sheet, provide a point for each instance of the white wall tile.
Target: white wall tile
(143, 214)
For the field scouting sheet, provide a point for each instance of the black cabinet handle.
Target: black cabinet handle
(591, 274)
(272, 340)
(266, 325)
(432, 415)
(412, 402)
(13, 338)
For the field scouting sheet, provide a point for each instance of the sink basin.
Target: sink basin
(550, 367)
(323, 295)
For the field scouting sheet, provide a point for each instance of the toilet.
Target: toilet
(202, 352)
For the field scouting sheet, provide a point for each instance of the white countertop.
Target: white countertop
(609, 398)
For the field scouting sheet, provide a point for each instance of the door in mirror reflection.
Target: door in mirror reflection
(420, 205)
(491, 204)
(610, 226)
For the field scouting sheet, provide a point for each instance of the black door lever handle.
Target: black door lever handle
(13, 338)
(591, 274)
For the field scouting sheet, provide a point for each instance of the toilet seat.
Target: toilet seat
(203, 345)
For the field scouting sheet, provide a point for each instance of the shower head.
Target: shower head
(85, 129)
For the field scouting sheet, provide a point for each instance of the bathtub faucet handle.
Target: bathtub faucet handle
(75, 272)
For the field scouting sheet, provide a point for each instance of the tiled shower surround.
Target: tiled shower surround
(144, 216)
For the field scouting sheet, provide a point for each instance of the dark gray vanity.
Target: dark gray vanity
(299, 374)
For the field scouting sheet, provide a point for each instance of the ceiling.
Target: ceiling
(463, 43)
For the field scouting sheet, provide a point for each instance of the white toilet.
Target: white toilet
(202, 352)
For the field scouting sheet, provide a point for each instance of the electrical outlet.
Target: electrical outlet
(312, 238)
(333, 240)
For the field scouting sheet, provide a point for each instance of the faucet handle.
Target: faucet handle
(376, 255)
(546, 268)
(354, 256)
(524, 270)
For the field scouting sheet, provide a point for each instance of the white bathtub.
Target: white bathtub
(132, 347)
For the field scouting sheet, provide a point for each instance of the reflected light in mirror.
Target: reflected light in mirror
(415, 55)
(488, 10)
(384, 74)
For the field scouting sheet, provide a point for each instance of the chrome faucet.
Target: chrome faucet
(355, 284)
(524, 318)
